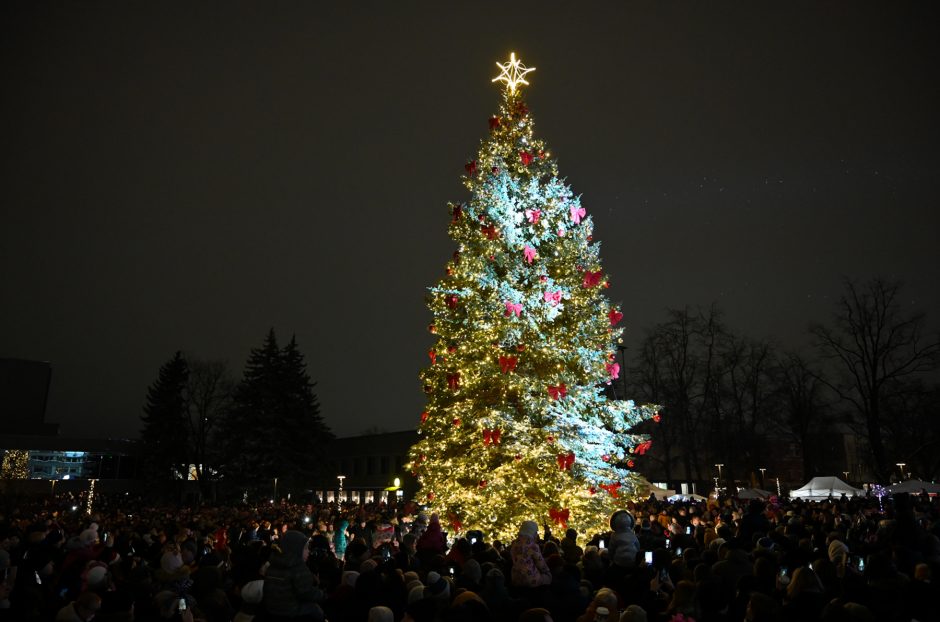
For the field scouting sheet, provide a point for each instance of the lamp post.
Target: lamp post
(762, 471)
(845, 474)
(901, 466)
(339, 494)
(275, 489)
(717, 490)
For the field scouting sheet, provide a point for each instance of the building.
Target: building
(365, 468)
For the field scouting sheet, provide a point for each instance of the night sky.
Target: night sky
(189, 175)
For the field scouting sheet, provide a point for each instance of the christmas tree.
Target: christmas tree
(517, 425)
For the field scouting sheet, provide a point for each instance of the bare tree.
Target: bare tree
(804, 412)
(878, 350)
(743, 403)
(677, 368)
(208, 396)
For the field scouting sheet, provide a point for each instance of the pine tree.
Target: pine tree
(164, 436)
(249, 444)
(274, 429)
(306, 434)
(517, 425)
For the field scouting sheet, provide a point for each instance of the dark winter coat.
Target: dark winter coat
(289, 588)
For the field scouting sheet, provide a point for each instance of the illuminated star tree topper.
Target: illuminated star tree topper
(513, 73)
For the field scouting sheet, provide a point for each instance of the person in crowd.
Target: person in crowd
(290, 589)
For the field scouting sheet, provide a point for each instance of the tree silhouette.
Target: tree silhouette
(878, 351)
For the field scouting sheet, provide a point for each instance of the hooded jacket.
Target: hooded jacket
(289, 588)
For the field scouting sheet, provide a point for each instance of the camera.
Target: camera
(648, 557)
(181, 605)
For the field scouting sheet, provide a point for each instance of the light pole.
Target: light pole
(717, 490)
(339, 494)
(275, 489)
(762, 471)
(901, 466)
(845, 474)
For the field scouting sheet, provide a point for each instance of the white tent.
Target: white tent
(754, 493)
(688, 497)
(915, 486)
(820, 488)
(661, 493)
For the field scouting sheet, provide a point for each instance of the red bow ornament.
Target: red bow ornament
(452, 301)
(432, 355)
(615, 317)
(553, 297)
(591, 279)
(489, 231)
(491, 437)
(613, 369)
(453, 381)
(513, 308)
(612, 489)
(577, 213)
(642, 448)
(529, 253)
(526, 158)
(458, 212)
(566, 461)
(558, 392)
(560, 516)
(507, 363)
(494, 123)
(471, 167)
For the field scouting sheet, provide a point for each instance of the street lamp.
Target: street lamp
(901, 466)
(719, 477)
(339, 494)
(762, 471)
(275, 489)
(845, 474)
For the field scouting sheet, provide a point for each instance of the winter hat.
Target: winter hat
(350, 577)
(529, 528)
(858, 613)
(438, 587)
(89, 536)
(633, 613)
(367, 566)
(410, 576)
(471, 569)
(838, 552)
(171, 562)
(622, 521)
(495, 576)
(253, 591)
(415, 594)
(96, 577)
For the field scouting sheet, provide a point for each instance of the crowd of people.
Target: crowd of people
(720, 560)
